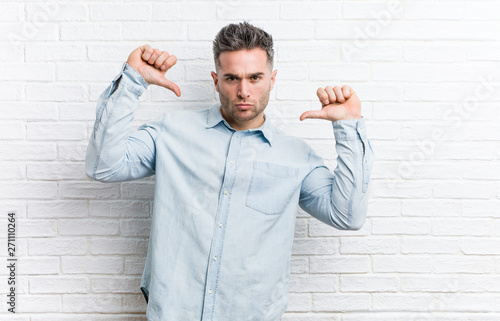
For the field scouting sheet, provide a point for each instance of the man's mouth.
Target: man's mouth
(244, 106)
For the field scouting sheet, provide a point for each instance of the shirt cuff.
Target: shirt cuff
(131, 79)
(349, 129)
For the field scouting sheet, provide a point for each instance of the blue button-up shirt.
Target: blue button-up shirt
(225, 202)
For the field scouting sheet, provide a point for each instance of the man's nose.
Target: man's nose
(243, 89)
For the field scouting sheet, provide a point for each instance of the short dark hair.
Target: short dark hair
(241, 36)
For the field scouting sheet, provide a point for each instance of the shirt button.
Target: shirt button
(215, 258)
(220, 224)
(231, 161)
(209, 291)
(225, 192)
(365, 161)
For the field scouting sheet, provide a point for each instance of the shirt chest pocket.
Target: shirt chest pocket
(271, 187)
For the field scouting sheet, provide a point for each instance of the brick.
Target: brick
(299, 302)
(299, 264)
(431, 10)
(57, 209)
(340, 72)
(11, 92)
(317, 10)
(461, 264)
(102, 245)
(407, 189)
(61, 285)
(368, 283)
(91, 265)
(119, 208)
(429, 284)
(340, 264)
(57, 246)
(195, 11)
(401, 302)
(71, 31)
(462, 190)
(89, 190)
(291, 51)
(11, 12)
(300, 283)
(12, 171)
(152, 31)
(431, 208)
(384, 11)
(88, 227)
(430, 245)
(27, 72)
(242, 10)
(480, 208)
(79, 303)
(40, 265)
(28, 190)
(71, 151)
(481, 246)
(402, 264)
(427, 52)
(86, 71)
(340, 302)
(39, 303)
(137, 190)
(361, 245)
(123, 11)
(37, 228)
(322, 246)
(134, 266)
(51, 92)
(395, 226)
(56, 131)
(53, 11)
(135, 227)
(463, 227)
(115, 284)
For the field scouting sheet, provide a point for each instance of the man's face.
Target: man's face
(244, 81)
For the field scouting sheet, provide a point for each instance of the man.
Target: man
(228, 183)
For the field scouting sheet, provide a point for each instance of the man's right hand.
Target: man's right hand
(152, 64)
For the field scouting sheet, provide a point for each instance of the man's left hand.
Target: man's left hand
(337, 103)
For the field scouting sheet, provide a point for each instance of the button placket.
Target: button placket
(219, 231)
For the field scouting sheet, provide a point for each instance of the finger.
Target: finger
(161, 59)
(332, 97)
(323, 96)
(154, 56)
(169, 62)
(338, 92)
(164, 82)
(313, 114)
(347, 91)
(147, 51)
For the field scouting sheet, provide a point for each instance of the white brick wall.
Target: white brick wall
(428, 77)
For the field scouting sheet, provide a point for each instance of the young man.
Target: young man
(228, 183)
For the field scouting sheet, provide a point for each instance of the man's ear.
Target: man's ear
(273, 78)
(216, 80)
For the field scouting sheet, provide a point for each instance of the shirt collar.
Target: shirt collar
(214, 117)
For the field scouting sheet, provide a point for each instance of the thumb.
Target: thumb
(170, 85)
(313, 114)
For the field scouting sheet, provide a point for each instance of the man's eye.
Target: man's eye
(230, 79)
(255, 77)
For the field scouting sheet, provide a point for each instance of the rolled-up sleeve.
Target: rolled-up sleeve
(340, 199)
